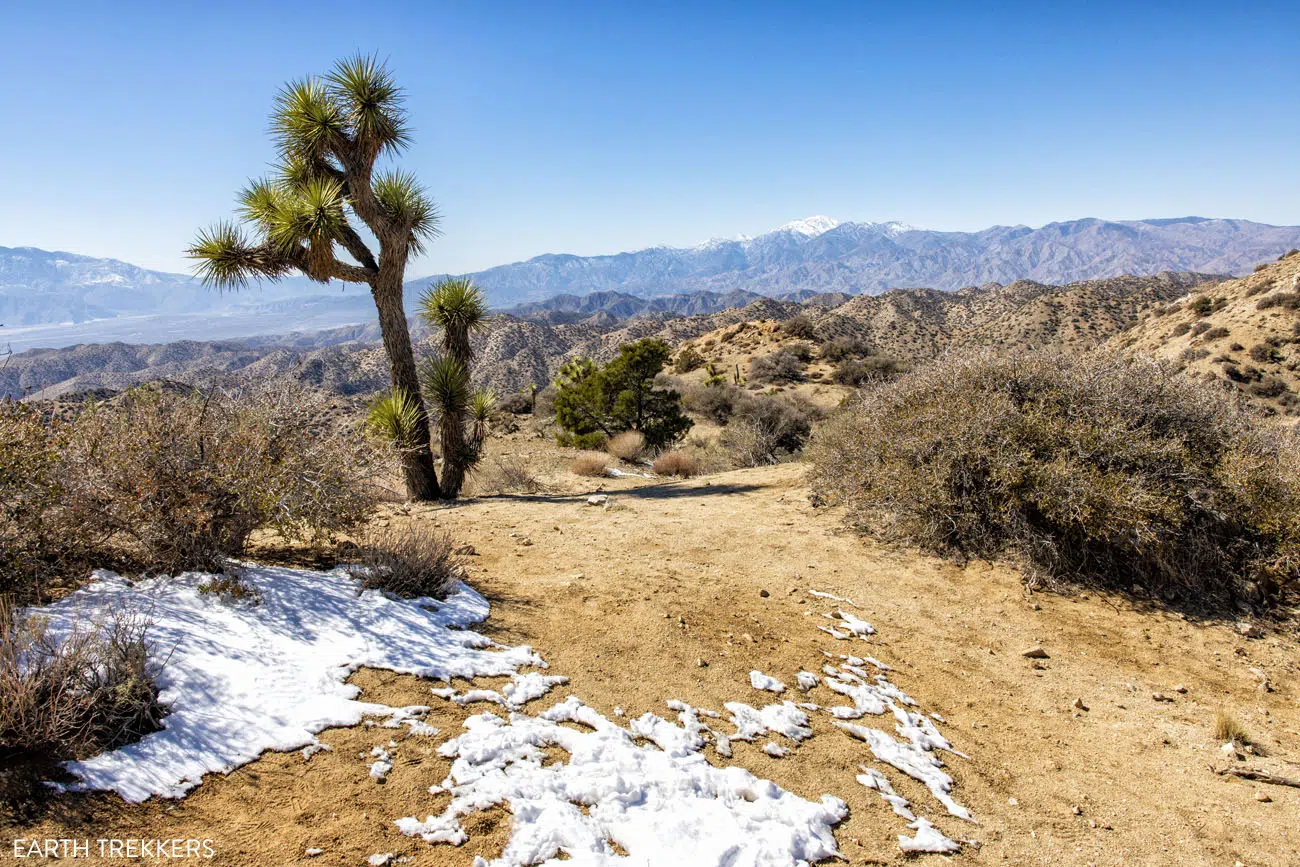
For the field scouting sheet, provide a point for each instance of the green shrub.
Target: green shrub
(1203, 305)
(1265, 354)
(1089, 467)
(593, 400)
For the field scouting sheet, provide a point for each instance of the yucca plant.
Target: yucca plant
(394, 416)
(330, 132)
(447, 388)
(457, 308)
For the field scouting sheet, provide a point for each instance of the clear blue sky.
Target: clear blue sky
(594, 128)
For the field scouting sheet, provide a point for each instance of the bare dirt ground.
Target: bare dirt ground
(659, 594)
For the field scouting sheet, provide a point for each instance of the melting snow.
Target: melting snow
(240, 680)
(658, 805)
(758, 680)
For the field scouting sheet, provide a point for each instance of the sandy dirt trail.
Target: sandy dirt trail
(677, 590)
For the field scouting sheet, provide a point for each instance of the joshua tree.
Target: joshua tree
(456, 307)
(330, 132)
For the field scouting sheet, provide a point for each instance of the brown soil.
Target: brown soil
(626, 600)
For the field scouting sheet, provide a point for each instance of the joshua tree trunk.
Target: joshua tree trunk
(452, 441)
(417, 460)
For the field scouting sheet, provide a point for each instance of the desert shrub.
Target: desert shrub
(1181, 328)
(36, 541)
(1285, 300)
(179, 479)
(839, 348)
(1201, 305)
(858, 372)
(588, 441)
(1091, 467)
(800, 327)
(1200, 328)
(74, 692)
(627, 446)
(688, 359)
(621, 395)
(506, 474)
(785, 365)
(589, 464)
(767, 430)
(1260, 287)
(714, 402)
(676, 463)
(1264, 353)
(1194, 353)
(518, 403)
(412, 562)
(1233, 372)
(1236, 347)
(1270, 386)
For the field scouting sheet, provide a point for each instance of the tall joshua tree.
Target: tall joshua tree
(456, 307)
(330, 132)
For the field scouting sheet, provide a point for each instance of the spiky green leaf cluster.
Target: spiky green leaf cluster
(445, 382)
(226, 258)
(394, 416)
(406, 204)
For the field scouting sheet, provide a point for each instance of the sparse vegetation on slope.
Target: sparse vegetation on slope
(1085, 467)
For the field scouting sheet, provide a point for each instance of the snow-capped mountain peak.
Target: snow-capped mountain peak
(810, 226)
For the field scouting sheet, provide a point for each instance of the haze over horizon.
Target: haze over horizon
(579, 128)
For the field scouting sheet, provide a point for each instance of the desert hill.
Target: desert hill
(1243, 333)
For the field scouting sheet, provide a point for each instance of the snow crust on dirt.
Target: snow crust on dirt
(243, 679)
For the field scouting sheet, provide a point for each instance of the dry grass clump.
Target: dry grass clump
(412, 562)
(627, 446)
(1227, 728)
(1085, 467)
(72, 693)
(676, 463)
(589, 464)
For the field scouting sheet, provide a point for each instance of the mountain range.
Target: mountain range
(56, 299)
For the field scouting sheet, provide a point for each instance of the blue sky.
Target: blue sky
(595, 128)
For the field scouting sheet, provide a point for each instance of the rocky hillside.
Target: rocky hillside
(1243, 333)
(516, 352)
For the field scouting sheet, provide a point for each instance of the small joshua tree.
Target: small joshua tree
(457, 308)
(330, 133)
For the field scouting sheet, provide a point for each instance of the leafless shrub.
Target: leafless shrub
(412, 561)
(858, 372)
(1089, 467)
(626, 446)
(799, 326)
(179, 479)
(589, 464)
(839, 348)
(676, 463)
(506, 474)
(1285, 300)
(72, 694)
(518, 403)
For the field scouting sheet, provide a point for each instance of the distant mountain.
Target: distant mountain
(620, 305)
(39, 287)
(820, 255)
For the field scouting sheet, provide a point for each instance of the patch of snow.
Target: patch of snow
(927, 839)
(652, 803)
(822, 595)
(912, 760)
(775, 750)
(809, 227)
(807, 680)
(784, 719)
(855, 625)
(242, 680)
(873, 779)
(758, 680)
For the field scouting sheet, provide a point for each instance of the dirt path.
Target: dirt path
(660, 594)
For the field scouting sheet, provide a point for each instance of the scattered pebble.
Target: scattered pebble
(1249, 630)
(1079, 705)
(764, 594)
(382, 860)
(597, 500)
(1180, 689)
(1013, 802)
(702, 662)
(1160, 696)
(1036, 652)
(747, 637)
(1262, 797)
(1077, 810)
(312, 853)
